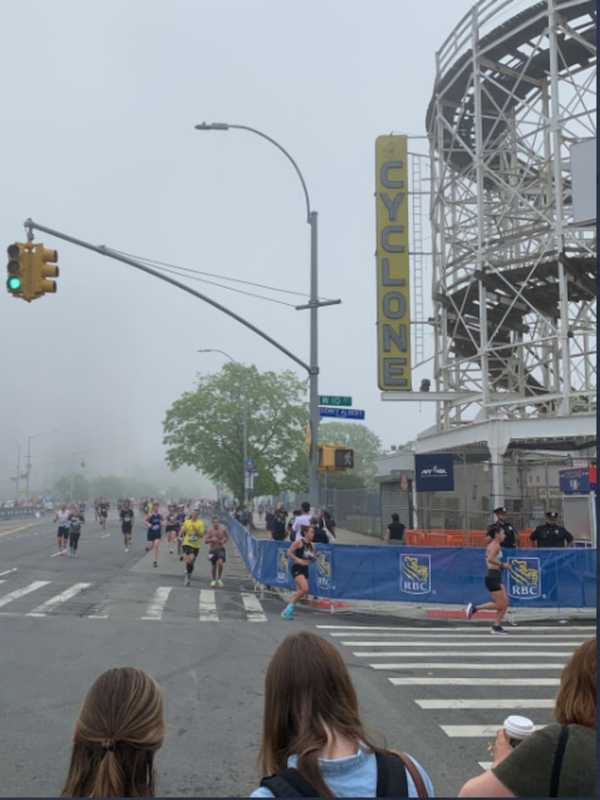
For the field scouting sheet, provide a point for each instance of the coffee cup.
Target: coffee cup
(518, 728)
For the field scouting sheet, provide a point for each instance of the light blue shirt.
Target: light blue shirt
(353, 776)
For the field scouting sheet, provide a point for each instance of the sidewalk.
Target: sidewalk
(422, 611)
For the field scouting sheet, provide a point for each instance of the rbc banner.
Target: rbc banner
(434, 472)
(452, 575)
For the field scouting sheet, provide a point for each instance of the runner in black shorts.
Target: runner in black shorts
(154, 523)
(126, 523)
(493, 582)
(302, 552)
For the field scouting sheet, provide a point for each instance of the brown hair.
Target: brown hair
(120, 727)
(576, 699)
(308, 693)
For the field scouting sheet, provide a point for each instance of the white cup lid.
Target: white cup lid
(518, 727)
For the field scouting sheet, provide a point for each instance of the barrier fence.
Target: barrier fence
(451, 575)
(19, 512)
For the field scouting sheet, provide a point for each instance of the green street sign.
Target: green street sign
(334, 400)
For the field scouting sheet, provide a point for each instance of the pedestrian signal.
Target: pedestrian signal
(335, 458)
(344, 458)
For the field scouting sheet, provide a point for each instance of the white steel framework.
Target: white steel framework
(514, 278)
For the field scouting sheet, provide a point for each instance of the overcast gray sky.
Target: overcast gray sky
(99, 104)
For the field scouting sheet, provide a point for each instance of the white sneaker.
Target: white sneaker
(220, 584)
(213, 584)
(126, 549)
(186, 580)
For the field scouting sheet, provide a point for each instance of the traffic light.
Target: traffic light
(335, 458)
(344, 458)
(43, 268)
(15, 269)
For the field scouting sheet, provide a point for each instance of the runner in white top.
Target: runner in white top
(302, 519)
(64, 528)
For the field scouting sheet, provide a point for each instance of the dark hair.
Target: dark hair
(576, 699)
(305, 507)
(308, 694)
(120, 727)
(395, 518)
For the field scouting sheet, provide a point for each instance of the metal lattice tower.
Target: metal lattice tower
(514, 278)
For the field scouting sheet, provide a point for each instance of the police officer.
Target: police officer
(550, 534)
(511, 535)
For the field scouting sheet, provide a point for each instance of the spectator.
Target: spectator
(329, 521)
(314, 743)
(278, 525)
(289, 528)
(120, 727)
(394, 531)
(558, 760)
(269, 517)
(303, 518)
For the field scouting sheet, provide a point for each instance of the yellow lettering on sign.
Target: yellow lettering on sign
(393, 279)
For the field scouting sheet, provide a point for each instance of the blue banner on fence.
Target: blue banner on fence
(434, 472)
(452, 575)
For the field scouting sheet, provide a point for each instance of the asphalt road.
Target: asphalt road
(63, 621)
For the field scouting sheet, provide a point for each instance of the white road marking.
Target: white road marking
(157, 604)
(471, 636)
(485, 764)
(59, 553)
(476, 654)
(461, 703)
(105, 535)
(254, 610)
(98, 616)
(448, 629)
(51, 604)
(8, 598)
(475, 681)
(473, 731)
(207, 606)
(465, 665)
(8, 571)
(499, 643)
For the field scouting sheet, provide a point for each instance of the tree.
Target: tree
(367, 447)
(204, 428)
(72, 487)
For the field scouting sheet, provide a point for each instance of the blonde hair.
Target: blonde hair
(120, 727)
(576, 699)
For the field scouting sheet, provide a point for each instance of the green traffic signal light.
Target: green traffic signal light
(13, 284)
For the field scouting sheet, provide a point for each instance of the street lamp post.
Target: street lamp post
(18, 472)
(313, 305)
(244, 422)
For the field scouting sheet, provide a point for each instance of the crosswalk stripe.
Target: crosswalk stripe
(53, 602)
(157, 605)
(464, 665)
(485, 765)
(491, 681)
(472, 731)
(32, 587)
(471, 636)
(476, 654)
(589, 628)
(8, 571)
(207, 606)
(254, 610)
(461, 703)
(499, 643)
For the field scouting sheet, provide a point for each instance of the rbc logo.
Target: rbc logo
(415, 574)
(324, 570)
(524, 578)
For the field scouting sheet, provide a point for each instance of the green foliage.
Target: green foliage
(204, 428)
(367, 447)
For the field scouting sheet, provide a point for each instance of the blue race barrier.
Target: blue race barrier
(446, 575)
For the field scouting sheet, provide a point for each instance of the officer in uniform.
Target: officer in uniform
(511, 535)
(550, 534)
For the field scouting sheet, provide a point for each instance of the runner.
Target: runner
(493, 583)
(127, 517)
(302, 553)
(171, 527)
(103, 511)
(193, 531)
(154, 521)
(76, 520)
(216, 538)
(64, 527)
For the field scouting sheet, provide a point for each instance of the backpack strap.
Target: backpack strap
(289, 783)
(391, 776)
(558, 759)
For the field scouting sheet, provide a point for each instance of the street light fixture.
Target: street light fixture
(314, 305)
(244, 420)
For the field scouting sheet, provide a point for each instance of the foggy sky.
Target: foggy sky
(99, 104)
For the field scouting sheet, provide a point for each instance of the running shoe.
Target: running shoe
(288, 612)
(498, 630)
(213, 584)
(470, 610)
(155, 563)
(220, 584)
(186, 580)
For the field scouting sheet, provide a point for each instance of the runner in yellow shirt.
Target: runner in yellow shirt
(192, 532)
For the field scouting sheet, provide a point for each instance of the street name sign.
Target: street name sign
(342, 413)
(334, 400)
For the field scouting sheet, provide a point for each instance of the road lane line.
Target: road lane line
(59, 553)
(157, 604)
(105, 535)
(475, 681)
(55, 601)
(460, 703)
(485, 765)
(16, 530)
(465, 665)
(499, 643)
(98, 616)
(472, 636)
(8, 571)
(476, 654)
(414, 629)
(31, 587)
(254, 610)
(475, 731)
(207, 606)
